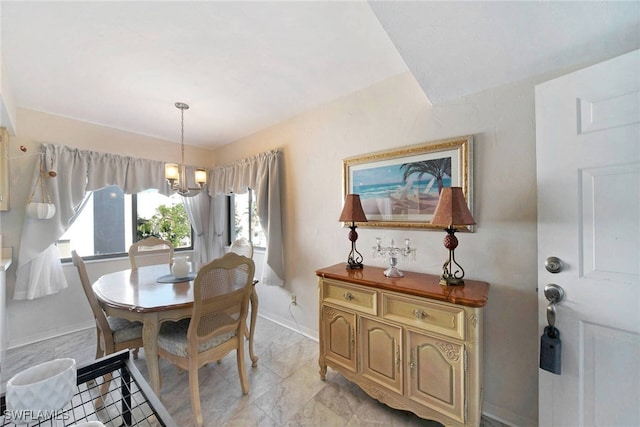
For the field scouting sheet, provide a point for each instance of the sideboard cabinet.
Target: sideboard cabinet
(408, 342)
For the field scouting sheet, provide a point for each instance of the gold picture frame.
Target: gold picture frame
(399, 188)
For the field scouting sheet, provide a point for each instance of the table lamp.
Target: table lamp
(452, 210)
(352, 212)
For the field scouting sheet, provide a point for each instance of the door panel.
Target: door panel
(619, 110)
(340, 336)
(588, 172)
(381, 353)
(610, 374)
(607, 192)
(436, 373)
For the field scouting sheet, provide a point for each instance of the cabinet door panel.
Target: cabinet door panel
(340, 336)
(381, 353)
(436, 378)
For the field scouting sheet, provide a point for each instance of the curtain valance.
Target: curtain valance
(243, 174)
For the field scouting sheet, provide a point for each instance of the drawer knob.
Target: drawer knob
(419, 314)
(348, 296)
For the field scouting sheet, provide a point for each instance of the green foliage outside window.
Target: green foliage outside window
(169, 223)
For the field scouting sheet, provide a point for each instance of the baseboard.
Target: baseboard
(506, 417)
(286, 323)
(292, 325)
(51, 334)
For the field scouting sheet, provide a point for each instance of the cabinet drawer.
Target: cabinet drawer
(356, 298)
(439, 318)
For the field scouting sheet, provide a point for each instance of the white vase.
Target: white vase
(181, 267)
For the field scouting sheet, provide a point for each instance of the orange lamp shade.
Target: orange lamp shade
(352, 210)
(452, 209)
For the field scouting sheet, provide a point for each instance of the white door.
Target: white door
(588, 172)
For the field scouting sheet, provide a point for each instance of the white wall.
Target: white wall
(393, 113)
(7, 106)
(502, 251)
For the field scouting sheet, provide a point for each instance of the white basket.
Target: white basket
(41, 390)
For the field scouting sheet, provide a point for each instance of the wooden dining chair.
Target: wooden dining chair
(221, 294)
(150, 251)
(113, 333)
(242, 246)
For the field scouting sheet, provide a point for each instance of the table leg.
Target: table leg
(252, 326)
(150, 340)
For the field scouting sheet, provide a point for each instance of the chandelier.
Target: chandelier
(176, 174)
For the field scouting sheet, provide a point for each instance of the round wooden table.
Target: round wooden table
(137, 296)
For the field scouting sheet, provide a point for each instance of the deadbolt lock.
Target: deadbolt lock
(553, 264)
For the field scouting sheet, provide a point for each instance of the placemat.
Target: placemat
(170, 278)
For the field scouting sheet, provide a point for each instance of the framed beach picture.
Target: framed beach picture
(400, 188)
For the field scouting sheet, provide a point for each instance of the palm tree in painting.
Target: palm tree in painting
(438, 168)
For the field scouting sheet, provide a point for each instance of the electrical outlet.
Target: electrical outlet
(294, 301)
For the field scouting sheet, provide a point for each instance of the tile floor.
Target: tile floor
(285, 388)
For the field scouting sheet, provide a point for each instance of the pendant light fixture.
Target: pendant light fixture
(176, 174)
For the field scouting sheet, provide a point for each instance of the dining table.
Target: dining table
(149, 295)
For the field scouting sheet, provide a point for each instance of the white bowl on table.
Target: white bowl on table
(41, 390)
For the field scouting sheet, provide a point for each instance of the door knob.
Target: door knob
(554, 294)
(553, 264)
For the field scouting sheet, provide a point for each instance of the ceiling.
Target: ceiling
(245, 66)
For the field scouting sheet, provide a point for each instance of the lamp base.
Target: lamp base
(354, 266)
(354, 260)
(451, 281)
(452, 272)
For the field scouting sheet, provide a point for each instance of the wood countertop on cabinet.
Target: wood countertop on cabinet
(473, 293)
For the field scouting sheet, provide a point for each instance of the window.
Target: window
(111, 220)
(246, 222)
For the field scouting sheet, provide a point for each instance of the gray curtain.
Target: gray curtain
(201, 209)
(261, 173)
(217, 224)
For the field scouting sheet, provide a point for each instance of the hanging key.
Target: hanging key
(550, 344)
(550, 350)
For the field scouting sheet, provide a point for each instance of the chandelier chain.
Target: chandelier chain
(182, 131)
